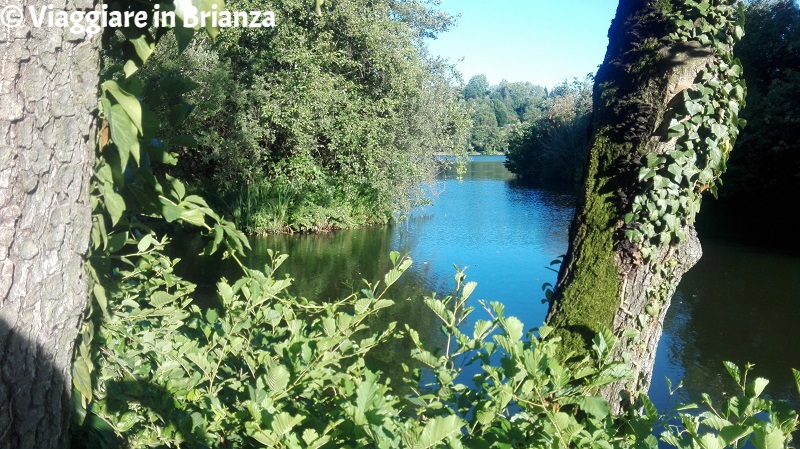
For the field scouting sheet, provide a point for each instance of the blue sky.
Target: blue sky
(541, 41)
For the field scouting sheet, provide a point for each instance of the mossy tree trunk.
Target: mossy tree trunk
(666, 103)
(49, 89)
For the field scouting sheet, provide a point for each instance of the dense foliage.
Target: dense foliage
(267, 369)
(550, 149)
(325, 121)
(497, 110)
(765, 163)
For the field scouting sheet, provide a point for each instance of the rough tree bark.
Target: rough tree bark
(49, 91)
(605, 281)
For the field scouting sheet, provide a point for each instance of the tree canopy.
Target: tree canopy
(326, 121)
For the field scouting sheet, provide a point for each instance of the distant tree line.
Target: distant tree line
(546, 145)
(550, 148)
(497, 110)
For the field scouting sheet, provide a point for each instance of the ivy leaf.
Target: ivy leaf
(183, 35)
(693, 107)
(208, 5)
(143, 46)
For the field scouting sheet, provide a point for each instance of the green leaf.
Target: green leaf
(437, 430)
(278, 378)
(130, 68)
(126, 421)
(709, 441)
(146, 242)
(368, 395)
(177, 187)
(714, 421)
(796, 375)
(211, 30)
(756, 387)
(81, 376)
(693, 107)
(513, 327)
(115, 205)
(382, 304)
(481, 326)
(128, 102)
(768, 437)
(594, 405)
(124, 135)
(169, 210)
(116, 242)
(362, 305)
(469, 287)
(194, 217)
(734, 371)
(161, 298)
(144, 46)
(283, 423)
(734, 433)
(225, 293)
(391, 277)
(101, 297)
(183, 35)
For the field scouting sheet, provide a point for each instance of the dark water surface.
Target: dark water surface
(739, 303)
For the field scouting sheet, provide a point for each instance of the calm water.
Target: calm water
(738, 304)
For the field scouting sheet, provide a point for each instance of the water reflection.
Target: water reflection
(737, 304)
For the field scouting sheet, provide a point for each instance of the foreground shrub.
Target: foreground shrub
(265, 369)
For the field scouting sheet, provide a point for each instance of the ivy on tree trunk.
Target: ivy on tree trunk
(666, 105)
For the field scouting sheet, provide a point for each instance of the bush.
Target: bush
(271, 370)
(551, 150)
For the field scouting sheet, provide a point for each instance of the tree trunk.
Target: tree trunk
(633, 237)
(49, 91)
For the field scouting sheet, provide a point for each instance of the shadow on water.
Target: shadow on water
(738, 304)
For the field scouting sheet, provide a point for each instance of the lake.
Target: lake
(740, 303)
